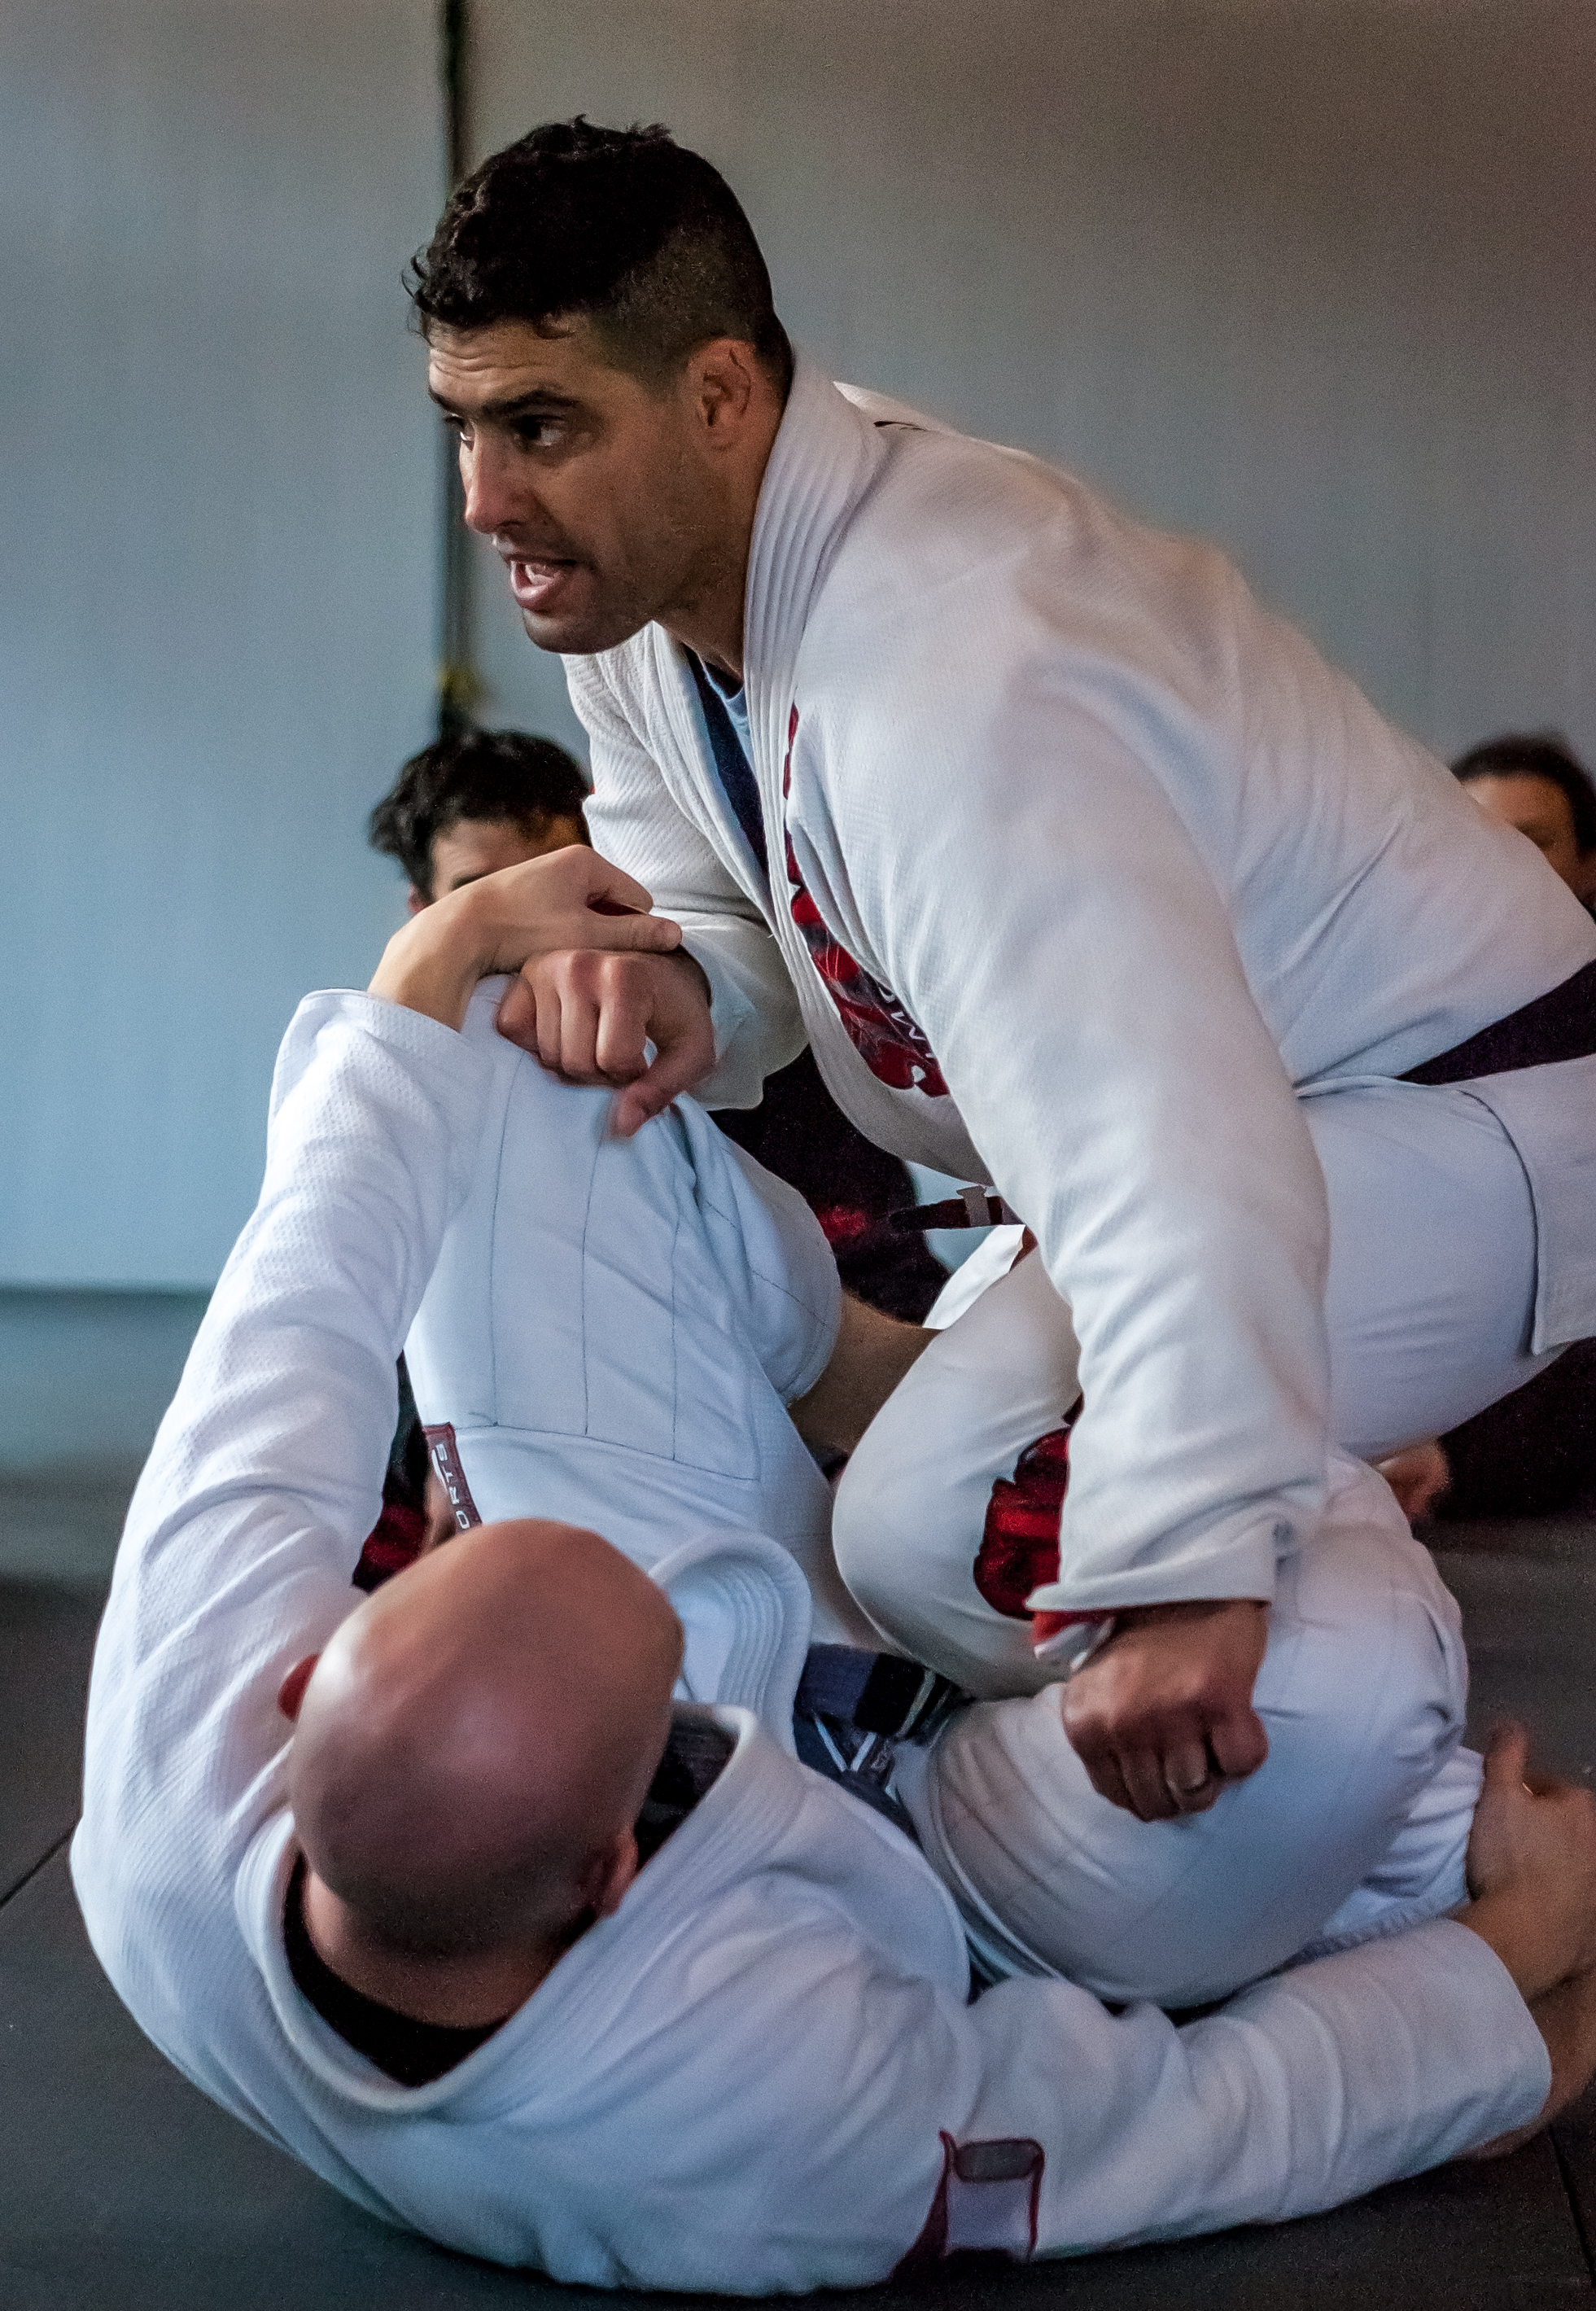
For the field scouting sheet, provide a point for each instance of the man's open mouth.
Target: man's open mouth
(534, 581)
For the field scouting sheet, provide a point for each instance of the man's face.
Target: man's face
(474, 847)
(591, 487)
(1539, 808)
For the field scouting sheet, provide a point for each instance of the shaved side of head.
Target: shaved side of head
(478, 1736)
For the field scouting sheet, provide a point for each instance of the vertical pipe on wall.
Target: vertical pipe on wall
(457, 682)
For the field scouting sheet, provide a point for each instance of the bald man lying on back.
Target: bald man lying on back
(512, 1945)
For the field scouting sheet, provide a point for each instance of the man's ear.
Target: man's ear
(415, 901)
(723, 378)
(290, 1693)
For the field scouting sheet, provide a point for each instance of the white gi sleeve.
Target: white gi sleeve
(1056, 933)
(860, 2116)
(636, 823)
(1308, 2090)
(265, 1478)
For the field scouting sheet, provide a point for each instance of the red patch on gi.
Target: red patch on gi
(880, 1030)
(843, 1225)
(1019, 1538)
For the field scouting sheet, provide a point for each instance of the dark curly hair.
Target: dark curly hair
(1537, 754)
(503, 776)
(622, 226)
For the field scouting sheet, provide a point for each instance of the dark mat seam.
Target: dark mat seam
(43, 1862)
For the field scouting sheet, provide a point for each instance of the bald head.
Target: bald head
(477, 1738)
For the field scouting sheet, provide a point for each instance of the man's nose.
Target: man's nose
(495, 495)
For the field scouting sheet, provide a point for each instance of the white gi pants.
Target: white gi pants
(1356, 1825)
(1357, 1822)
(1431, 1290)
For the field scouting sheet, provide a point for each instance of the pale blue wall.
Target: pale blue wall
(1315, 278)
(1312, 276)
(216, 637)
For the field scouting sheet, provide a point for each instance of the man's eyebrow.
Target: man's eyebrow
(539, 401)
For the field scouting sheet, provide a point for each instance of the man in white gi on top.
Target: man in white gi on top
(505, 1943)
(1081, 874)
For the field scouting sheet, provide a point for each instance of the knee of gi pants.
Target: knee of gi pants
(912, 1503)
(1362, 1692)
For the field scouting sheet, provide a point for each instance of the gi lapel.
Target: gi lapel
(825, 456)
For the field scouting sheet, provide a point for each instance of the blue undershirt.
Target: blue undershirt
(725, 714)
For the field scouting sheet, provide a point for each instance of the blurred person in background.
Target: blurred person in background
(1535, 1452)
(469, 805)
(1533, 781)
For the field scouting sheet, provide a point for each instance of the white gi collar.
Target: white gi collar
(751, 1808)
(825, 456)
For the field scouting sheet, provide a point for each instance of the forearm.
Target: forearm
(636, 820)
(753, 1011)
(1108, 1059)
(435, 963)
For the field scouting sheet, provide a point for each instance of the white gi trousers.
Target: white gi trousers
(1430, 1298)
(1355, 1826)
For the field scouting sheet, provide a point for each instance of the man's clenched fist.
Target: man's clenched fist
(587, 1015)
(1163, 1717)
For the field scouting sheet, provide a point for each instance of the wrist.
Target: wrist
(695, 970)
(433, 966)
(1515, 1929)
(1193, 1610)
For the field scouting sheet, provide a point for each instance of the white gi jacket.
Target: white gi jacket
(762, 2074)
(1078, 863)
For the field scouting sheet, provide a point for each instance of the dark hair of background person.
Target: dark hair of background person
(620, 226)
(502, 776)
(1537, 754)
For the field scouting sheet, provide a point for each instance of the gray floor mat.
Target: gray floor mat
(122, 2189)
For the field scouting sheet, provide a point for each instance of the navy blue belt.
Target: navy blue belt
(1559, 1025)
(853, 1707)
